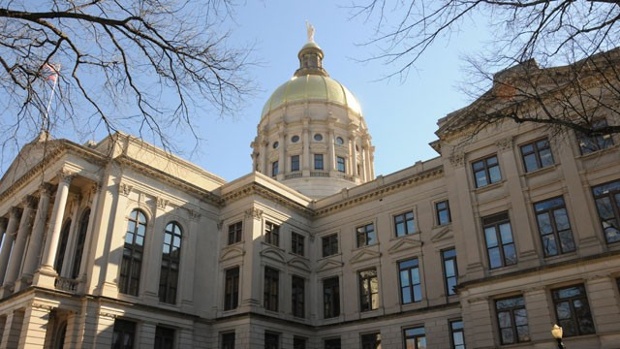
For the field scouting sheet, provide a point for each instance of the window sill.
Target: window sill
(489, 187)
(542, 170)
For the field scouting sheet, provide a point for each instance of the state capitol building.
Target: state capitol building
(508, 231)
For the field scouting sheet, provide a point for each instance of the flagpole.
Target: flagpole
(54, 77)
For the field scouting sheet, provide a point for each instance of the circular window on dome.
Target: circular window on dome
(318, 137)
(295, 139)
(275, 144)
(339, 141)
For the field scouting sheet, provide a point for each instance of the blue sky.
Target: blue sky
(401, 115)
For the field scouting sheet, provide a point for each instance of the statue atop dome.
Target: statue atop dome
(310, 31)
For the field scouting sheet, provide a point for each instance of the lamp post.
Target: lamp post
(556, 332)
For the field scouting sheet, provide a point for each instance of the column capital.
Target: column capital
(15, 212)
(30, 201)
(3, 222)
(65, 176)
(46, 189)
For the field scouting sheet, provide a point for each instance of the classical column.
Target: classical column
(38, 228)
(331, 150)
(94, 191)
(3, 224)
(58, 212)
(305, 138)
(20, 242)
(9, 236)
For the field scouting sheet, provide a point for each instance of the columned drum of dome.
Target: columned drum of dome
(312, 135)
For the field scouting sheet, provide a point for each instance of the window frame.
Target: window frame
(371, 340)
(540, 150)
(227, 340)
(366, 235)
(327, 243)
(417, 334)
(295, 163)
(298, 244)
(497, 221)
(404, 224)
(457, 329)
(170, 263)
(165, 337)
(235, 232)
(298, 296)
(121, 328)
(552, 209)
(319, 162)
(331, 297)
(449, 256)
(332, 343)
(574, 318)
(443, 212)
(486, 170)
(272, 233)
(369, 298)
(341, 164)
(80, 243)
(514, 312)
(275, 168)
(408, 285)
(592, 144)
(610, 225)
(231, 288)
(271, 289)
(300, 342)
(272, 340)
(133, 253)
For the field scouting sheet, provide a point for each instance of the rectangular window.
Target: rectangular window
(231, 290)
(272, 288)
(369, 289)
(272, 234)
(486, 171)
(457, 334)
(164, 338)
(410, 284)
(415, 338)
(235, 232)
(366, 235)
(330, 245)
(500, 245)
(536, 155)
(341, 164)
(298, 296)
(371, 341)
(450, 270)
(272, 340)
(442, 210)
(554, 227)
(299, 342)
(607, 198)
(332, 343)
(512, 320)
(124, 334)
(228, 340)
(331, 297)
(573, 311)
(590, 144)
(404, 224)
(294, 163)
(297, 244)
(318, 162)
(275, 168)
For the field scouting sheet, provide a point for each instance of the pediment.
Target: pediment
(231, 252)
(329, 264)
(364, 255)
(442, 234)
(273, 254)
(405, 244)
(300, 263)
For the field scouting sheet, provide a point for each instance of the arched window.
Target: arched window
(79, 244)
(170, 258)
(62, 246)
(131, 265)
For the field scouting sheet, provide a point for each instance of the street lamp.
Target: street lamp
(556, 332)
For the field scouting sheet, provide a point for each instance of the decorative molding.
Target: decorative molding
(124, 189)
(300, 263)
(504, 144)
(231, 252)
(193, 214)
(364, 255)
(443, 234)
(29, 201)
(46, 189)
(220, 224)
(107, 315)
(254, 213)
(273, 254)
(457, 159)
(65, 176)
(162, 203)
(37, 305)
(329, 264)
(405, 244)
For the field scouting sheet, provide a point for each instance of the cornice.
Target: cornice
(258, 189)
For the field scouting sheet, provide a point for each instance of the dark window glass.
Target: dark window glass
(79, 244)
(235, 232)
(450, 270)
(124, 334)
(404, 224)
(272, 284)
(330, 245)
(486, 171)
(164, 338)
(371, 341)
(331, 297)
(170, 260)
(369, 289)
(131, 265)
(415, 338)
(318, 162)
(298, 296)
(410, 284)
(512, 320)
(297, 244)
(607, 197)
(228, 340)
(442, 209)
(366, 235)
(341, 164)
(333, 343)
(590, 144)
(457, 334)
(231, 289)
(299, 342)
(554, 227)
(62, 247)
(500, 245)
(272, 340)
(275, 168)
(295, 139)
(318, 137)
(536, 155)
(294, 163)
(272, 234)
(573, 311)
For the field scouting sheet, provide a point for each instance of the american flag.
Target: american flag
(50, 72)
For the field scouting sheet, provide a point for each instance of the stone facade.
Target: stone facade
(121, 242)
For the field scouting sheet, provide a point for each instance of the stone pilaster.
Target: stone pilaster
(36, 238)
(20, 243)
(7, 245)
(12, 329)
(34, 327)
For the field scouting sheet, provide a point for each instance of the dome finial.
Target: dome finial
(310, 31)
